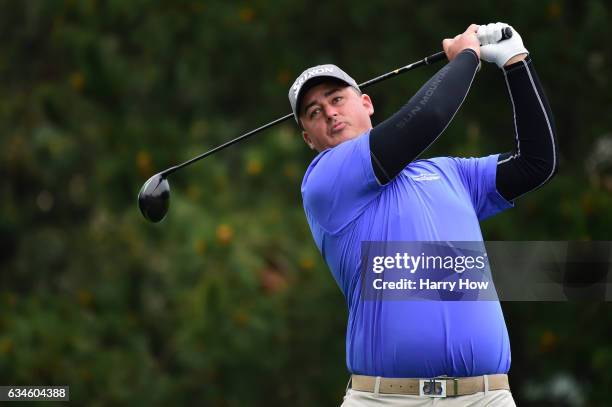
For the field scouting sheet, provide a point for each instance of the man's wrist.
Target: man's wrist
(470, 51)
(515, 59)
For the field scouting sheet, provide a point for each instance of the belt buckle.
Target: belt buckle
(435, 387)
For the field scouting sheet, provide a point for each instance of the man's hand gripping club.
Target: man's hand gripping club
(502, 53)
(486, 42)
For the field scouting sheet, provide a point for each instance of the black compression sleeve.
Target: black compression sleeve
(535, 158)
(401, 138)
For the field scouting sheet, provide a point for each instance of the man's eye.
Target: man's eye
(314, 112)
(337, 99)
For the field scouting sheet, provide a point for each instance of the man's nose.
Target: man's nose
(330, 111)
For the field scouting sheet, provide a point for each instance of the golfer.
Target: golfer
(366, 184)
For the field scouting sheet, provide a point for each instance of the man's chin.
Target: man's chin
(342, 136)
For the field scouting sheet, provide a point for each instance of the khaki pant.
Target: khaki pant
(497, 398)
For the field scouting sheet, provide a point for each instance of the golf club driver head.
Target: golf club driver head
(154, 198)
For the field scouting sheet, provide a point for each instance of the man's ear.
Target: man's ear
(367, 103)
(307, 140)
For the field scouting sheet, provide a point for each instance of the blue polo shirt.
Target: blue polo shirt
(439, 199)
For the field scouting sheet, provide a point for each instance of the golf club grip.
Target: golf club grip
(439, 56)
(506, 33)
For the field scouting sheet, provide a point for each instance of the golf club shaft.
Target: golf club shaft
(439, 56)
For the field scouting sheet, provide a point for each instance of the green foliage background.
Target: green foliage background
(227, 302)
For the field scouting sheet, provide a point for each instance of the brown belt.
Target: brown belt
(436, 387)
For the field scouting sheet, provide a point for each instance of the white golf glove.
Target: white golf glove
(494, 50)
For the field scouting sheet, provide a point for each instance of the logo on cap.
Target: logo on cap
(309, 74)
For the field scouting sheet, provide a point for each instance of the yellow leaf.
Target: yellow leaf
(225, 234)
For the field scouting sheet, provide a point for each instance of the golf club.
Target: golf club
(154, 196)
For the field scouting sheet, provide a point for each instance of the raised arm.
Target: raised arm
(535, 158)
(401, 138)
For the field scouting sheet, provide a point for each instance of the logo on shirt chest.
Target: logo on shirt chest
(425, 177)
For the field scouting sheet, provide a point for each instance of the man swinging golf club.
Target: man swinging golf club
(366, 184)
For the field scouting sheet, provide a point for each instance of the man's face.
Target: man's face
(332, 113)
